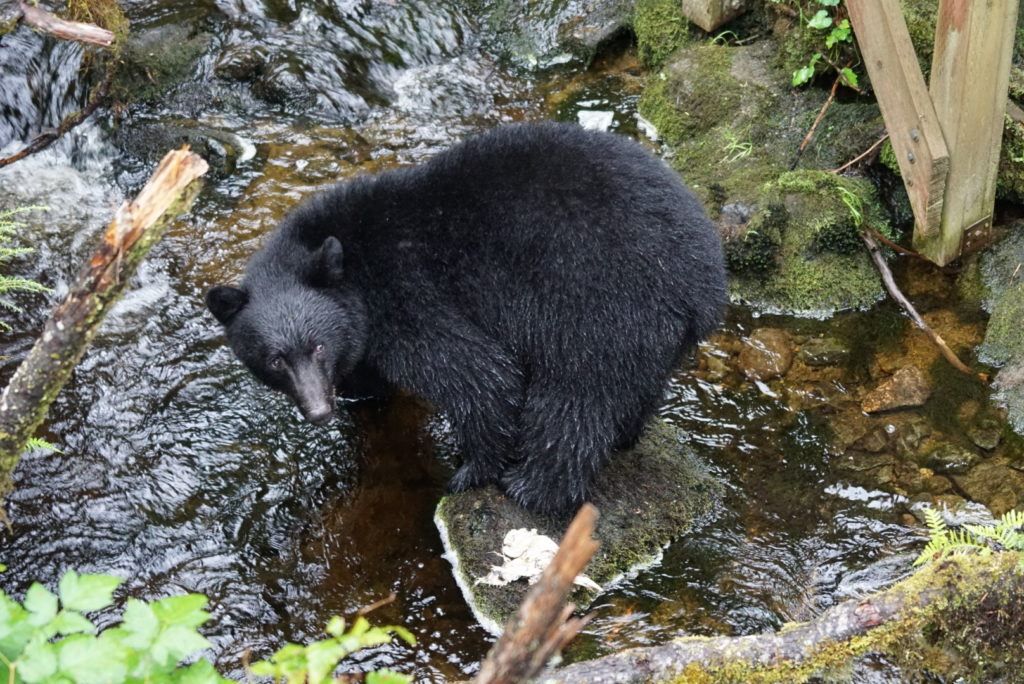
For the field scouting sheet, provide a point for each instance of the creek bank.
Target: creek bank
(648, 496)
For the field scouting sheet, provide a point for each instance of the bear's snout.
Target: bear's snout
(314, 393)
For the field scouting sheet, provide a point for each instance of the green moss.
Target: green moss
(155, 61)
(972, 628)
(647, 496)
(1010, 181)
(693, 94)
(820, 264)
(660, 29)
(755, 252)
(1003, 339)
(921, 16)
(105, 14)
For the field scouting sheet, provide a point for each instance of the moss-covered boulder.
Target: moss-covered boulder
(732, 126)
(660, 28)
(647, 496)
(156, 60)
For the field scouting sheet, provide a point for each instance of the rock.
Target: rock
(950, 459)
(955, 510)
(876, 439)
(766, 354)
(908, 387)
(910, 433)
(985, 432)
(994, 484)
(1009, 385)
(595, 120)
(823, 351)
(648, 496)
(156, 60)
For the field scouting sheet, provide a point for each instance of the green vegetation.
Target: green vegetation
(1005, 535)
(48, 639)
(660, 29)
(9, 228)
(838, 41)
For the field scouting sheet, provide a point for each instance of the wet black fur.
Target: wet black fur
(538, 283)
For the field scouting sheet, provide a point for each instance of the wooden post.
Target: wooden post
(906, 107)
(710, 14)
(970, 77)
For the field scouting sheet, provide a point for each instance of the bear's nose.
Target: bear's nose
(320, 415)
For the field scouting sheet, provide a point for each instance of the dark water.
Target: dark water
(179, 473)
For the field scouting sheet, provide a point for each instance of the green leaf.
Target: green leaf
(176, 642)
(322, 657)
(71, 622)
(387, 677)
(335, 626)
(201, 672)
(186, 610)
(38, 662)
(41, 603)
(840, 34)
(802, 75)
(86, 593)
(828, 3)
(849, 77)
(821, 20)
(88, 660)
(140, 624)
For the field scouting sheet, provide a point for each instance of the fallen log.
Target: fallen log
(127, 239)
(961, 616)
(543, 623)
(51, 24)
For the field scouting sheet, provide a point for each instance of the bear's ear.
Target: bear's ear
(327, 269)
(225, 301)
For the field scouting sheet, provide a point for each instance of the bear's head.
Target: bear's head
(299, 336)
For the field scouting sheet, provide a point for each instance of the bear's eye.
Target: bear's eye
(318, 350)
(277, 363)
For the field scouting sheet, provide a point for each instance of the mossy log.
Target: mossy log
(127, 239)
(961, 616)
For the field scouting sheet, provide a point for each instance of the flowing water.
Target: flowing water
(179, 473)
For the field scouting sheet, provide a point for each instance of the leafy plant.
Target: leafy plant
(48, 639)
(8, 231)
(314, 663)
(1005, 535)
(829, 17)
(735, 149)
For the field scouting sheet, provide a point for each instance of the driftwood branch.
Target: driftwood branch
(972, 601)
(47, 137)
(901, 299)
(134, 229)
(49, 23)
(543, 623)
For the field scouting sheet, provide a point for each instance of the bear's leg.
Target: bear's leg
(476, 384)
(564, 439)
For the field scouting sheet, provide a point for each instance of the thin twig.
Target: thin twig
(862, 155)
(817, 120)
(46, 138)
(390, 598)
(892, 245)
(901, 299)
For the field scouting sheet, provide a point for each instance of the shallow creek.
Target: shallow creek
(179, 473)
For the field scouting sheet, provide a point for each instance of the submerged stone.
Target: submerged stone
(648, 496)
(908, 387)
(766, 354)
(823, 351)
(950, 459)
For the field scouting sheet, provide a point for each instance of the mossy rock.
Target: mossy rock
(156, 60)
(648, 496)
(660, 28)
(999, 266)
(815, 263)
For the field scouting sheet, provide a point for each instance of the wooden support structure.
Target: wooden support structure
(969, 80)
(710, 14)
(906, 107)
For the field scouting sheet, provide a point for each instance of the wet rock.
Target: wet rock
(240, 63)
(1009, 385)
(823, 351)
(282, 83)
(876, 439)
(955, 510)
(766, 354)
(156, 60)
(907, 388)
(985, 432)
(648, 496)
(994, 484)
(910, 433)
(950, 459)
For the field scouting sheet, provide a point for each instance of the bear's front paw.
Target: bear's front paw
(542, 491)
(470, 476)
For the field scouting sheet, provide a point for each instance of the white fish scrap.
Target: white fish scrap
(526, 553)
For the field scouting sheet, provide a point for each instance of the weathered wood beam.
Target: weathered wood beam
(49, 23)
(134, 229)
(906, 107)
(969, 80)
(542, 625)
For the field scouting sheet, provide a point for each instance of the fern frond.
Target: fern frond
(34, 443)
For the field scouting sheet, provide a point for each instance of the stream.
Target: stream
(178, 472)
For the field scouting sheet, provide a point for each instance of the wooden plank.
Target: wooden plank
(710, 14)
(969, 81)
(906, 107)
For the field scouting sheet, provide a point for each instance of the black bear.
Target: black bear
(538, 283)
